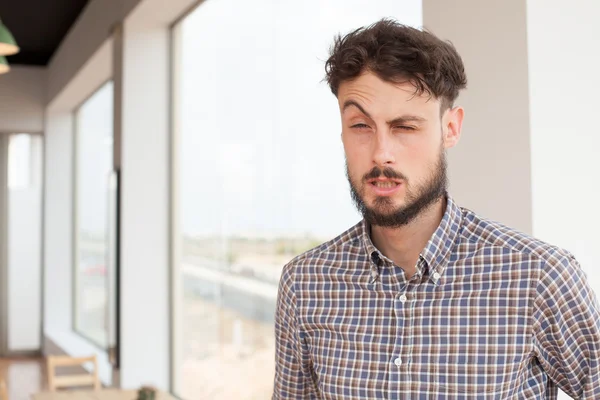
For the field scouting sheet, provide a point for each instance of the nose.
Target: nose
(383, 154)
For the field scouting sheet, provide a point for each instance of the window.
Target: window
(93, 165)
(19, 159)
(23, 229)
(259, 176)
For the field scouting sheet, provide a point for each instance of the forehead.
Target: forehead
(385, 98)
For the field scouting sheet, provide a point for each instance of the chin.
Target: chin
(386, 209)
(387, 202)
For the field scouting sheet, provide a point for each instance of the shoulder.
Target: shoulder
(327, 253)
(488, 233)
(557, 275)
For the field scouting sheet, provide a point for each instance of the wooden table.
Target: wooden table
(106, 394)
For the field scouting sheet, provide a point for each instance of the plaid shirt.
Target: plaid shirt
(490, 314)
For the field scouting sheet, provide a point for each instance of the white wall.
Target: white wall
(144, 207)
(564, 57)
(58, 226)
(22, 100)
(145, 230)
(490, 167)
(24, 259)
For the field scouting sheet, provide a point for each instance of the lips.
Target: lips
(384, 186)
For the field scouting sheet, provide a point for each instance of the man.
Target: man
(424, 299)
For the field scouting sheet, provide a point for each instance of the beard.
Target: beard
(418, 198)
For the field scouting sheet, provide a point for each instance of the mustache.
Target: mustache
(389, 173)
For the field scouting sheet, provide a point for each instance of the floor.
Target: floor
(23, 377)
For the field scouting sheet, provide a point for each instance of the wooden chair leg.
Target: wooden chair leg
(3, 390)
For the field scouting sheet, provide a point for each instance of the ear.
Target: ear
(452, 126)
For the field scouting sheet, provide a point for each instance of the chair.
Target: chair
(66, 381)
(3, 391)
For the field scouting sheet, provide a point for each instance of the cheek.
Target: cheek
(351, 151)
(355, 169)
(349, 142)
(425, 165)
(417, 161)
(357, 147)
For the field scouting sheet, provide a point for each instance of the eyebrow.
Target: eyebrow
(395, 121)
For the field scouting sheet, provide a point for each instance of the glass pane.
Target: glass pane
(260, 174)
(94, 150)
(19, 161)
(24, 217)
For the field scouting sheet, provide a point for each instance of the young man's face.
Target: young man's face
(395, 142)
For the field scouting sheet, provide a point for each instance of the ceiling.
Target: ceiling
(38, 26)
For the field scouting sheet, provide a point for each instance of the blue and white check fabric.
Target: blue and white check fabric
(491, 313)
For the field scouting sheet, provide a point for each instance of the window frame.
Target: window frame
(75, 276)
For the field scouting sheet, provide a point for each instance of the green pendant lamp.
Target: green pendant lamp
(8, 45)
(4, 68)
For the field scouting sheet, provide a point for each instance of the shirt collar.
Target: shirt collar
(437, 250)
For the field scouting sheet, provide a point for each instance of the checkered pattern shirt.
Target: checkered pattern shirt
(491, 313)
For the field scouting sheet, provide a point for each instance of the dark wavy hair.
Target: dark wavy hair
(398, 53)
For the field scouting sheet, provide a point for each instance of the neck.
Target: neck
(403, 245)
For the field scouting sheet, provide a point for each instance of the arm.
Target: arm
(293, 371)
(567, 328)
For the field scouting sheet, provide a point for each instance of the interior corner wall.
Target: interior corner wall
(490, 168)
(564, 58)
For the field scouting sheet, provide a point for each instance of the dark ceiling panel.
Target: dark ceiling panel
(38, 26)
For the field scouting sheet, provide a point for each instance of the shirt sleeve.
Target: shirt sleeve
(294, 376)
(567, 328)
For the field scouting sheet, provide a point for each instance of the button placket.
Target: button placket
(397, 359)
(408, 298)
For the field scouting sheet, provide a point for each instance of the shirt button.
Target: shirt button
(402, 299)
(398, 361)
(436, 276)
